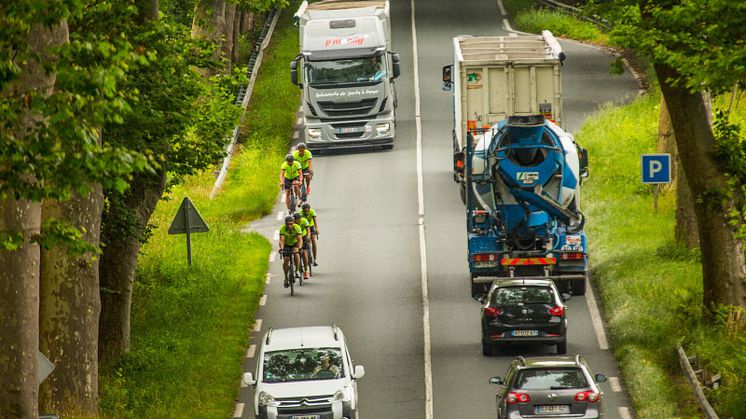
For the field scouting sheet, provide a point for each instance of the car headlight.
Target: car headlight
(383, 128)
(266, 399)
(343, 395)
(314, 133)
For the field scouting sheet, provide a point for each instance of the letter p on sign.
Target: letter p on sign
(656, 168)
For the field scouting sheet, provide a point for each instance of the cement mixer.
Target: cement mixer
(522, 192)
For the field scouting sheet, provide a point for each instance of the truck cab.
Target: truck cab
(346, 70)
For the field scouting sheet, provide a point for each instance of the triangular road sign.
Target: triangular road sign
(187, 220)
(45, 367)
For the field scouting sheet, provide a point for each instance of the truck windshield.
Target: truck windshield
(356, 70)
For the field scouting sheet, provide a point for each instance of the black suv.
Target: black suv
(524, 311)
(558, 386)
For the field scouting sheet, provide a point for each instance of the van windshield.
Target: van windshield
(303, 364)
(352, 71)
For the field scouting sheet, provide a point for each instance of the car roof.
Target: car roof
(550, 361)
(520, 282)
(303, 337)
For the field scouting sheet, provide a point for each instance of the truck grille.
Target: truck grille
(362, 107)
(313, 405)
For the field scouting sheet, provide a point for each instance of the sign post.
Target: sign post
(187, 221)
(656, 169)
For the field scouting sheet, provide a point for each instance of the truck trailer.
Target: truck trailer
(346, 69)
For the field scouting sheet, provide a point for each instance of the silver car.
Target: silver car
(549, 387)
(305, 373)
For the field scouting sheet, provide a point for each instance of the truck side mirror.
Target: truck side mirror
(447, 77)
(294, 72)
(397, 66)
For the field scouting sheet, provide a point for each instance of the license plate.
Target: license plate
(305, 417)
(525, 333)
(348, 131)
(488, 264)
(552, 409)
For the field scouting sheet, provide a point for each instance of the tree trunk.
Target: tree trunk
(722, 251)
(209, 23)
(118, 263)
(235, 56)
(69, 309)
(19, 276)
(667, 141)
(228, 41)
(247, 21)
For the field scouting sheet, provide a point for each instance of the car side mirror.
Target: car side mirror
(566, 296)
(583, 162)
(359, 372)
(294, 72)
(481, 298)
(248, 379)
(496, 380)
(601, 378)
(447, 77)
(397, 66)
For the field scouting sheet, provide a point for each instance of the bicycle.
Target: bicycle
(292, 270)
(304, 187)
(309, 255)
(293, 199)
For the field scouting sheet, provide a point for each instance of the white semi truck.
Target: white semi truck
(346, 69)
(493, 77)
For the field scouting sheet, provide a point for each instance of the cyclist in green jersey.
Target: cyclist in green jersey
(305, 157)
(291, 240)
(291, 175)
(310, 214)
(304, 226)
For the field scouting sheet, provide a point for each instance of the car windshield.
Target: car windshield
(550, 379)
(357, 70)
(303, 364)
(522, 295)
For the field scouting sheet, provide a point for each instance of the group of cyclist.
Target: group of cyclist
(300, 230)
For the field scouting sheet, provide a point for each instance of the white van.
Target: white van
(305, 373)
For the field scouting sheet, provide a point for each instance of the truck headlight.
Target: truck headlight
(343, 395)
(384, 128)
(314, 133)
(266, 399)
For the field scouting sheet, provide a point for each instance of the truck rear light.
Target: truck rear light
(513, 398)
(460, 165)
(492, 312)
(557, 311)
(484, 257)
(588, 396)
(572, 256)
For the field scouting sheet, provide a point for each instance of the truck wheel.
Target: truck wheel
(562, 347)
(578, 286)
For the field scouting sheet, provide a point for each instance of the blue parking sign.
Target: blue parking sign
(656, 168)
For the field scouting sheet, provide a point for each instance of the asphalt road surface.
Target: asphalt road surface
(370, 275)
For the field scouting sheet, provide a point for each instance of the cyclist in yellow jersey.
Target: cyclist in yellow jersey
(305, 158)
(291, 175)
(304, 226)
(310, 214)
(291, 240)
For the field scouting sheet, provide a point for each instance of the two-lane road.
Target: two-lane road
(370, 273)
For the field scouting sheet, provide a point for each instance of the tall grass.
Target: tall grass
(528, 18)
(651, 288)
(190, 327)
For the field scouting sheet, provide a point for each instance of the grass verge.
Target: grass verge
(651, 288)
(190, 326)
(529, 18)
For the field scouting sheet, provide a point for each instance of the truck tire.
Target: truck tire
(577, 286)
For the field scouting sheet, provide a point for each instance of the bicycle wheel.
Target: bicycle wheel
(303, 194)
(302, 269)
(310, 261)
(291, 276)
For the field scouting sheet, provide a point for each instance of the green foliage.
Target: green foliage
(651, 287)
(702, 41)
(560, 25)
(730, 152)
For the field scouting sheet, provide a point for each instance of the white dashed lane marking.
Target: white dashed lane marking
(272, 257)
(624, 413)
(258, 325)
(263, 300)
(269, 276)
(239, 410)
(615, 385)
(298, 121)
(280, 215)
(296, 134)
(251, 351)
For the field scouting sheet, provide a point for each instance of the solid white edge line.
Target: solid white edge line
(506, 24)
(251, 351)
(421, 227)
(598, 325)
(257, 325)
(238, 413)
(615, 384)
(502, 8)
(624, 413)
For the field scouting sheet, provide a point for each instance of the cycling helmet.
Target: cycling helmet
(297, 216)
(306, 205)
(289, 158)
(289, 219)
(300, 146)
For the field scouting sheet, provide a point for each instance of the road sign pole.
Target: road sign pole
(655, 198)
(189, 249)
(189, 239)
(187, 221)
